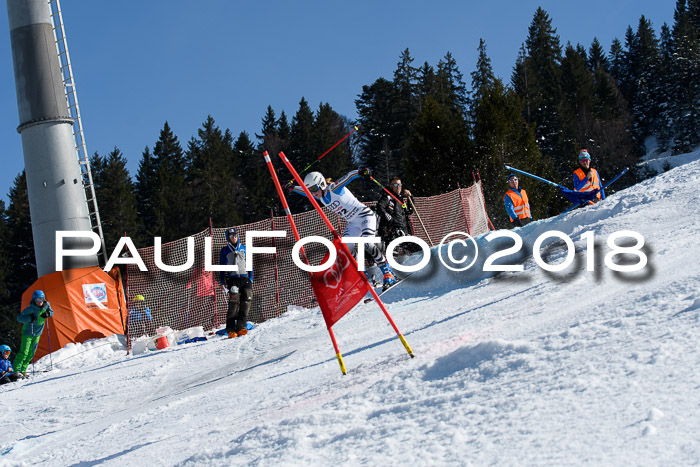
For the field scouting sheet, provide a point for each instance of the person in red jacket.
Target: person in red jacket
(516, 202)
(586, 178)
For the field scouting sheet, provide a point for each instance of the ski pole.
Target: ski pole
(354, 129)
(403, 205)
(421, 221)
(533, 176)
(48, 334)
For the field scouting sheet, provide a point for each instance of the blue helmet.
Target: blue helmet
(231, 232)
(38, 294)
(5, 348)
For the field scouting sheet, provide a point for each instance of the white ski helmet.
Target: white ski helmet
(315, 179)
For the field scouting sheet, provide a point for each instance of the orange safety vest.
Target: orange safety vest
(520, 204)
(592, 184)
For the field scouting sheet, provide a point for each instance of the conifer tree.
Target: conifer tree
(502, 136)
(427, 83)
(302, 147)
(577, 103)
(211, 166)
(616, 57)
(483, 78)
(115, 196)
(664, 125)
(253, 172)
(644, 79)
(379, 137)
(685, 79)
(147, 196)
(596, 56)
(455, 90)
(161, 193)
(284, 132)
(21, 254)
(8, 309)
(537, 80)
(440, 151)
(330, 127)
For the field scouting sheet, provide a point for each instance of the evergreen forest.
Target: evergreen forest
(428, 123)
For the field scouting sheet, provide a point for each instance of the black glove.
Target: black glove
(32, 318)
(365, 172)
(45, 314)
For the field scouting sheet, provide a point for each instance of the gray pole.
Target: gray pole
(54, 181)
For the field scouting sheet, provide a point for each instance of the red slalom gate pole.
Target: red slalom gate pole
(354, 129)
(290, 219)
(347, 251)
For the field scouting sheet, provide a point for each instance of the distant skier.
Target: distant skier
(237, 284)
(516, 202)
(586, 178)
(33, 317)
(7, 372)
(361, 220)
(393, 217)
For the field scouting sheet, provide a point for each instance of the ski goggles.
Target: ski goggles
(6, 353)
(314, 189)
(396, 184)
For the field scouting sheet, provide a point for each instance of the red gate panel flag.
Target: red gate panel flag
(339, 287)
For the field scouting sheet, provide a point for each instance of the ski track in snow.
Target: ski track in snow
(520, 368)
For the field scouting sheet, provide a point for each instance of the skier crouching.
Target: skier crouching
(360, 219)
(7, 372)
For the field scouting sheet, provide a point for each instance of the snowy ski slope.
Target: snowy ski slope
(521, 368)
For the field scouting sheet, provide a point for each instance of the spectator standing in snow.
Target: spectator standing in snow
(516, 202)
(7, 372)
(586, 178)
(393, 216)
(237, 284)
(33, 317)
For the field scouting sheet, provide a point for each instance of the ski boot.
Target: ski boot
(372, 280)
(389, 278)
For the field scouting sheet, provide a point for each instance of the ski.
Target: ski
(398, 281)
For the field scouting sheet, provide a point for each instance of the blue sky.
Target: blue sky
(140, 63)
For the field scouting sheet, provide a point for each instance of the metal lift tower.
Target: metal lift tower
(58, 175)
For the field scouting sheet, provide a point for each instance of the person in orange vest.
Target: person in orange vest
(517, 204)
(586, 178)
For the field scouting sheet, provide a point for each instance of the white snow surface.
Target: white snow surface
(521, 368)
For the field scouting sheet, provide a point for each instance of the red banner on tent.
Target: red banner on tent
(339, 287)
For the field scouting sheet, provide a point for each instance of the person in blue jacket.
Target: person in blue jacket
(7, 372)
(33, 317)
(517, 203)
(237, 284)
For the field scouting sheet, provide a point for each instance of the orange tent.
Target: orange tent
(87, 302)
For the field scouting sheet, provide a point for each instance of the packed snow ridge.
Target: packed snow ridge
(531, 367)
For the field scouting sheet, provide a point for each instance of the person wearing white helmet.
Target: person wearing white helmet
(361, 220)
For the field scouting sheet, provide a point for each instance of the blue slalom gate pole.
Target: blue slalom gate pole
(533, 176)
(604, 187)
